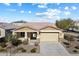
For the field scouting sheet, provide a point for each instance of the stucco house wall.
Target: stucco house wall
(55, 34)
(25, 29)
(2, 32)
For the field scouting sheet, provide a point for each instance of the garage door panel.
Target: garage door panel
(49, 36)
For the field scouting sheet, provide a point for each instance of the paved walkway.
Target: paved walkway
(46, 49)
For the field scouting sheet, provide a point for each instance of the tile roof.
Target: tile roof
(7, 25)
(37, 25)
(34, 25)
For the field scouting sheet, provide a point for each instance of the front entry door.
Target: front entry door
(32, 35)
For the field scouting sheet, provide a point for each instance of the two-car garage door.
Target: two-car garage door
(49, 36)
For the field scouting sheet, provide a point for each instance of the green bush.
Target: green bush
(33, 50)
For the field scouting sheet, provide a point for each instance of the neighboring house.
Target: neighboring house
(75, 27)
(76, 24)
(5, 29)
(37, 32)
(2, 32)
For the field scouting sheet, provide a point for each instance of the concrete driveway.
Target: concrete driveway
(52, 49)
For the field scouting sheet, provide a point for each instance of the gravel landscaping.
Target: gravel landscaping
(71, 43)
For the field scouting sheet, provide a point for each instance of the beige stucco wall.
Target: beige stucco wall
(52, 35)
(24, 30)
(2, 33)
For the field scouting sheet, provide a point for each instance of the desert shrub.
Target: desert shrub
(77, 37)
(75, 51)
(78, 40)
(65, 36)
(23, 50)
(16, 42)
(67, 46)
(69, 37)
(20, 48)
(72, 38)
(77, 47)
(66, 43)
(36, 44)
(33, 50)
(2, 49)
(25, 42)
(3, 44)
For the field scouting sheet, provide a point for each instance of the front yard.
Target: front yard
(20, 49)
(71, 42)
(14, 45)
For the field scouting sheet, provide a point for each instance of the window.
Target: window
(20, 34)
(33, 35)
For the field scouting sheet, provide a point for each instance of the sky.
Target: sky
(42, 12)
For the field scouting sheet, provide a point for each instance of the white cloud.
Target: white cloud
(66, 8)
(74, 7)
(29, 12)
(42, 6)
(19, 4)
(50, 14)
(22, 11)
(7, 4)
(38, 14)
(67, 13)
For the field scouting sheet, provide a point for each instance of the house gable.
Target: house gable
(49, 28)
(24, 29)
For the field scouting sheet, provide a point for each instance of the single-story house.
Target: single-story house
(39, 31)
(35, 31)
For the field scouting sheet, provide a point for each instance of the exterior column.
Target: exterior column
(13, 33)
(25, 35)
(38, 37)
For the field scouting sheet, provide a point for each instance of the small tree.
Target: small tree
(65, 23)
(13, 39)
